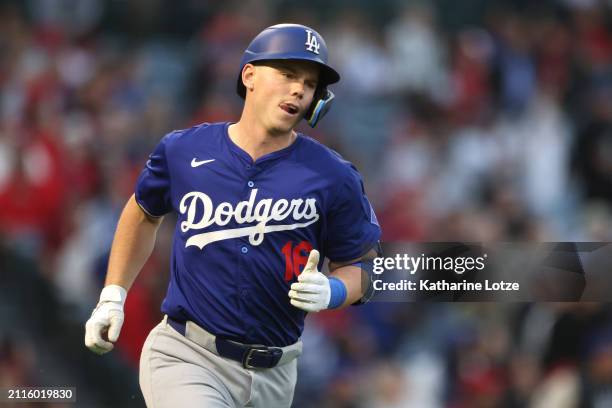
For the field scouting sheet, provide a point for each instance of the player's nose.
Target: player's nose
(297, 89)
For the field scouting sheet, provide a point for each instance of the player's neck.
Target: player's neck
(256, 140)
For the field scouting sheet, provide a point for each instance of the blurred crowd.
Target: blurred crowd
(472, 120)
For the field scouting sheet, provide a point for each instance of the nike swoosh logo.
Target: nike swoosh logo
(197, 163)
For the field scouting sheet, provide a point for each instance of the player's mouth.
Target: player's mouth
(290, 108)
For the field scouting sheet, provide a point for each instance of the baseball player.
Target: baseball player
(259, 207)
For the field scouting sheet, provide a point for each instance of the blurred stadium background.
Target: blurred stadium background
(470, 120)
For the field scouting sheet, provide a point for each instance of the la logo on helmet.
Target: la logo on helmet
(312, 43)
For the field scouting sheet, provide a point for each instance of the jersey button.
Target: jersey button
(244, 293)
(244, 250)
(250, 183)
(248, 166)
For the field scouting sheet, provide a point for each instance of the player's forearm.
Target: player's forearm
(132, 245)
(351, 277)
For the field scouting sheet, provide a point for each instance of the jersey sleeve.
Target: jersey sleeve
(352, 225)
(153, 185)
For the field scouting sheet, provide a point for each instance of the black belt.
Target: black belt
(250, 355)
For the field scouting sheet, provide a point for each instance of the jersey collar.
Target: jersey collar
(268, 157)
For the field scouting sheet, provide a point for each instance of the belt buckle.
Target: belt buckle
(249, 354)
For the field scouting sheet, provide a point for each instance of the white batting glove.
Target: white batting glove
(311, 292)
(106, 317)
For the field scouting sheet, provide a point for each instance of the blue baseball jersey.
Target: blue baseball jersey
(245, 228)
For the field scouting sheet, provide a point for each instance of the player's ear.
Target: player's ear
(248, 76)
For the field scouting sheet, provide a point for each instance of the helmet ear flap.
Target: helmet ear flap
(321, 103)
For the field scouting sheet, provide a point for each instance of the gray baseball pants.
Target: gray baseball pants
(186, 371)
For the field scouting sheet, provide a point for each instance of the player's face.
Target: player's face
(283, 92)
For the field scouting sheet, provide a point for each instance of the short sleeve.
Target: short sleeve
(153, 185)
(352, 227)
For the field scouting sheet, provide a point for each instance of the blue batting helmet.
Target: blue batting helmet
(294, 42)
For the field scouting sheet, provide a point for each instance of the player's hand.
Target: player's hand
(311, 292)
(106, 319)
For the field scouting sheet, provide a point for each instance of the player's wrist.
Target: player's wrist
(338, 293)
(113, 293)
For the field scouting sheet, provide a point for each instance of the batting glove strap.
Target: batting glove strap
(113, 293)
(337, 293)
